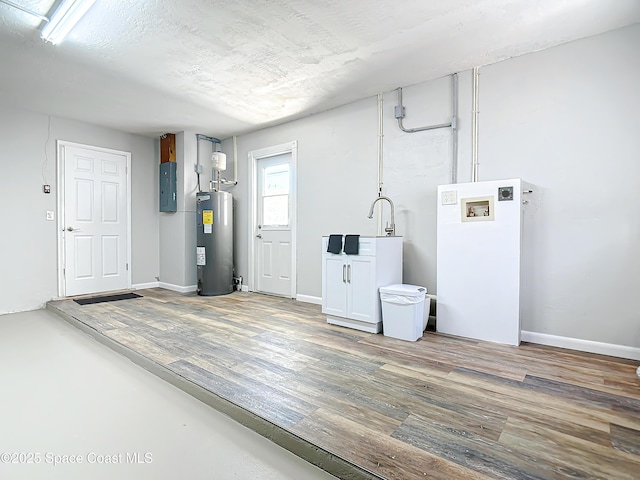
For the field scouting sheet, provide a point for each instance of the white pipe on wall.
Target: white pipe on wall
(380, 153)
(474, 124)
(400, 112)
(235, 160)
(454, 128)
(380, 144)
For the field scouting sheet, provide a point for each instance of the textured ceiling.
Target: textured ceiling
(228, 67)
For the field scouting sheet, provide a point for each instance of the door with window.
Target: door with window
(273, 237)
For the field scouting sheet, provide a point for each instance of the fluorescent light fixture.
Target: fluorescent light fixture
(68, 13)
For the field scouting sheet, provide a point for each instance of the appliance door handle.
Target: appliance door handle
(344, 274)
(348, 273)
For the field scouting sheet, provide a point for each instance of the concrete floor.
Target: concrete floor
(66, 398)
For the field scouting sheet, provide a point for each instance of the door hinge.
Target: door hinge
(127, 266)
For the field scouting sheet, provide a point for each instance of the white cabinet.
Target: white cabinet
(350, 283)
(353, 294)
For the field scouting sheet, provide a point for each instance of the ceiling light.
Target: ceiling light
(25, 10)
(64, 19)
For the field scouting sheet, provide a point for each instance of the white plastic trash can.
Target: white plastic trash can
(403, 311)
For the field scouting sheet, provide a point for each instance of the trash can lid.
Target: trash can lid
(403, 289)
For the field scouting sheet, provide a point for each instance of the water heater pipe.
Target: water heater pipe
(198, 167)
(235, 162)
(210, 139)
(222, 180)
(474, 124)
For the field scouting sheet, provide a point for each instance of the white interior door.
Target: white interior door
(273, 230)
(95, 223)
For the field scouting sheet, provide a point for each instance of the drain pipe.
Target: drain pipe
(474, 124)
(400, 112)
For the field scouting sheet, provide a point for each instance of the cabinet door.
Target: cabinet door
(362, 294)
(334, 286)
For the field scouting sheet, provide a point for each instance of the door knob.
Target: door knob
(258, 236)
(71, 229)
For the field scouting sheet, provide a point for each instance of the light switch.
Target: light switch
(50, 215)
(449, 197)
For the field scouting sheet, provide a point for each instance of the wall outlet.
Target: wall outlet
(50, 215)
(449, 197)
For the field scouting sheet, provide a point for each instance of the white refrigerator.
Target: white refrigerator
(479, 242)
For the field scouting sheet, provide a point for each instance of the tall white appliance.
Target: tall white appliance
(478, 259)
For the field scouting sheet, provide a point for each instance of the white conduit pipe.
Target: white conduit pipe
(454, 128)
(380, 153)
(474, 124)
(380, 136)
(400, 113)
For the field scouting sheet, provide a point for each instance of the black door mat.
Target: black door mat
(106, 298)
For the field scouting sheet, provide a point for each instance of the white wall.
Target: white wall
(28, 253)
(414, 165)
(564, 119)
(173, 227)
(337, 180)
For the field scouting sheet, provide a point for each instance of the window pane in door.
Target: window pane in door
(275, 210)
(276, 180)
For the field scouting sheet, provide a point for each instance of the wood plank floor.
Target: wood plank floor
(443, 407)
